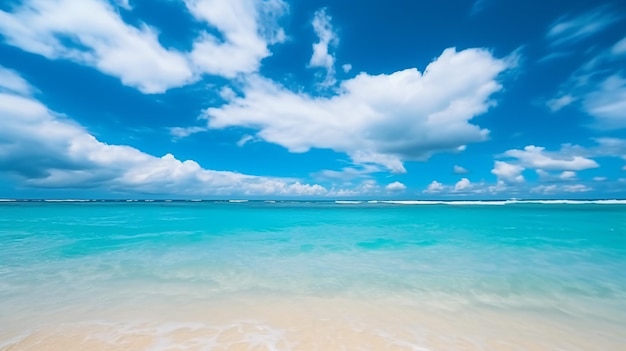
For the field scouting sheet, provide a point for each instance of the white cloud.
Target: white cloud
(557, 104)
(434, 187)
(607, 147)
(247, 28)
(551, 177)
(508, 172)
(11, 82)
(125, 4)
(567, 175)
(347, 173)
(554, 189)
(577, 188)
(619, 48)
(545, 189)
(382, 119)
(366, 187)
(392, 163)
(347, 67)
(571, 29)
(462, 185)
(45, 149)
(180, 132)
(395, 186)
(599, 179)
(466, 187)
(554, 56)
(92, 33)
(608, 102)
(561, 165)
(598, 87)
(244, 140)
(460, 170)
(537, 158)
(322, 57)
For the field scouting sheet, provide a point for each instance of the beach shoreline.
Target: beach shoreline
(312, 323)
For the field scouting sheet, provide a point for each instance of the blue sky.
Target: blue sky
(449, 99)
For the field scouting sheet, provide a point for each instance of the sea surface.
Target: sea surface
(257, 275)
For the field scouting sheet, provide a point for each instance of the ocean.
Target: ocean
(261, 275)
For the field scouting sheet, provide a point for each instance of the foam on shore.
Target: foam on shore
(313, 324)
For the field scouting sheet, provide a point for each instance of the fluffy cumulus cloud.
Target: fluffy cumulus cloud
(466, 187)
(462, 185)
(247, 27)
(536, 157)
(508, 172)
(367, 186)
(92, 33)
(44, 149)
(434, 187)
(327, 41)
(377, 119)
(557, 171)
(556, 177)
(395, 187)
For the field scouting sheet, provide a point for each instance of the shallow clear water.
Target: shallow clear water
(282, 276)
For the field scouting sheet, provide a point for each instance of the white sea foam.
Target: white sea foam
(66, 200)
(480, 203)
(411, 202)
(502, 202)
(573, 202)
(392, 202)
(6, 344)
(610, 202)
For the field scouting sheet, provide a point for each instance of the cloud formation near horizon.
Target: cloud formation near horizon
(45, 149)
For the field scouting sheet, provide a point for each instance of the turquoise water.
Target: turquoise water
(77, 262)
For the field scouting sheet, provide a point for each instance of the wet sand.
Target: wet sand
(308, 324)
